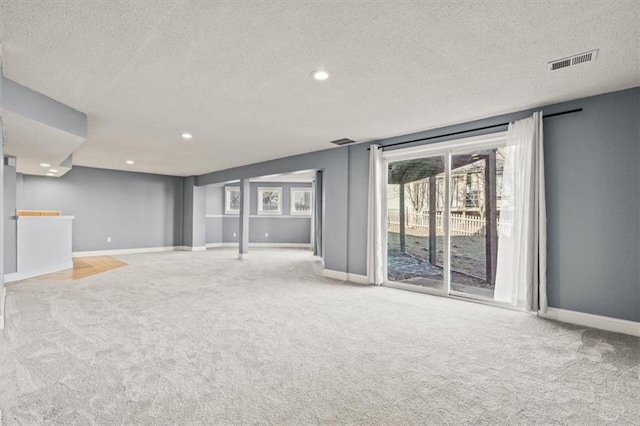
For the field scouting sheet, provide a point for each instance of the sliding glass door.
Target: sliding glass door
(444, 205)
(415, 226)
(476, 191)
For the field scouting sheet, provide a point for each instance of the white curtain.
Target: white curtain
(521, 276)
(375, 254)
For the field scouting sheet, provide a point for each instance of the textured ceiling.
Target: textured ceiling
(236, 74)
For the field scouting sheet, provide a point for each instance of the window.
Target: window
(269, 200)
(232, 200)
(301, 201)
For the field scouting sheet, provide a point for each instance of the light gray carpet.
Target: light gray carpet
(203, 338)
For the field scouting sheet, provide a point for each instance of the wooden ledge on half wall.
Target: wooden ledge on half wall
(38, 213)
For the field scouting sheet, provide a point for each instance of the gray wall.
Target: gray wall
(10, 224)
(593, 205)
(593, 180)
(296, 231)
(214, 202)
(193, 214)
(281, 229)
(136, 210)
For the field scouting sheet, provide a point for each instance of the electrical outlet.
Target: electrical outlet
(108, 239)
(266, 234)
(234, 234)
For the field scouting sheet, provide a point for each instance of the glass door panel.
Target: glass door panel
(415, 222)
(476, 191)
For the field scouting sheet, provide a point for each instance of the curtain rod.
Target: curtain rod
(571, 111)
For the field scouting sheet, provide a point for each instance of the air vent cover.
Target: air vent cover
(343, 141)
(573, 60)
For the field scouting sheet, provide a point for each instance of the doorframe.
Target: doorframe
(445, 149)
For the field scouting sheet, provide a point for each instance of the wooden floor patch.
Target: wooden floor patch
(84, 267)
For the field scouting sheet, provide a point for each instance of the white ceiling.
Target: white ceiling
(236, 74)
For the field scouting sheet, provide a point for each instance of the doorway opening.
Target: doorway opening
(281, 212)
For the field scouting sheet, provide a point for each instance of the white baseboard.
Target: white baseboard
(345, 276)
(9, 278)
(280, 245)
(19, 276)
(129, 251)
(197, 248)
(262, 245)
(594, 321)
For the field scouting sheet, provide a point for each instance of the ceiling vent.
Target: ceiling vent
(573, 60)
(343, 141)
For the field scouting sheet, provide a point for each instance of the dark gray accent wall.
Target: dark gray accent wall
(137, 210)
(593, 200)
(9, 216)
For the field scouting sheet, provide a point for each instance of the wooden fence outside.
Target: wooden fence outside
(460, 225)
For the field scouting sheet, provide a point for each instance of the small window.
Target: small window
(232, 200)
(269, 201)
(301, 201)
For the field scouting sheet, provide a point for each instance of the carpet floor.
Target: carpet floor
(203, 338)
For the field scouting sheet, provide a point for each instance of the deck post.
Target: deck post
(491, 229)
(432, 219)
(401, 213)
(243, 223)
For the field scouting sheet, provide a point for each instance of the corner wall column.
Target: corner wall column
(317, 220)
(243, 223)
(194, 216)
(1, 203)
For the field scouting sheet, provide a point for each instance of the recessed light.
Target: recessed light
(129, 161)
(53, 170)
(50, 174)
(186, 135)
(320, 75)
(45, 165)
